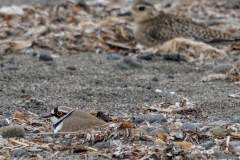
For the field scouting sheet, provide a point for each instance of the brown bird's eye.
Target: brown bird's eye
(59, 114)
(142, 8)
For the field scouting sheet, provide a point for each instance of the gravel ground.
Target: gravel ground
(98, 84)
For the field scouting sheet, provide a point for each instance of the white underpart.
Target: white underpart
(58, 128)
(54, 120)
(7, 120)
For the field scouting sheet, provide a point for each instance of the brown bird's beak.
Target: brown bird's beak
(47, 116)
(127, 14)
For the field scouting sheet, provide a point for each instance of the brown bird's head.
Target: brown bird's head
(142, 11)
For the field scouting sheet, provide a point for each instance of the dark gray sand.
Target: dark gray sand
(98, 84)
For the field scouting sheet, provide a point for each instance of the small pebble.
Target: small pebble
(221, 155)
(222, 68)
(171, 56)
(155, 79)
(132, 62)
(112, 57)
(190, 127)
(151, 118)
(45, 57)
(171, 76)
(177, 134)
(19, 152)
(23, 90)
(144, 127)
(115, 143)
(236, 119)
(72, 68)
(102, 145)
(234, 147)
(49, 139)
(146, 56)
(207, 144)
(123, 65)
(13, 68)
(34, 54)
(156, 130)
(12, 131)
(159, 142)
(148, 87)
(219, 132)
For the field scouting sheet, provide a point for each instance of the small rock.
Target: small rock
(148, 87)
(156, 130)
(123, 65)
(155, 124)
(232, 5)
(144, 127)
(112, 57)
(171, 56)
(236, 119)
(49, 139)
(102, 145)
(177, 134)
(190, 127)
(72, 68)
(12, 131)
(101, 115)
(159, 142)
(45, 57)
(151, 118)
(1, 65)
(234, 147)
(155, 79)
(6, 114)
(207, 144)
(171, 76)
(34, 54)
(219, 132)
(237, 63)
(4, 122)
(146, 56)
(49, 63)
(115, 143)
(132, 62)
(23, 90)
(222, 68)
(19, 152)
(13, 68)
(220, 155)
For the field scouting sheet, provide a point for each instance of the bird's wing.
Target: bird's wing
(80, 120)
(169, 26)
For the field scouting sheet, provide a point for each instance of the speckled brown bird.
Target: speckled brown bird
(152, 27)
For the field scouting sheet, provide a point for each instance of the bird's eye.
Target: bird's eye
(59, 114)
(142, 8)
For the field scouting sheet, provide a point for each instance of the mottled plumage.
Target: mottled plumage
(153, 27)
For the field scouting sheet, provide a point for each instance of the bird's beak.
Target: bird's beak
(127, 14)
(47, 116)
